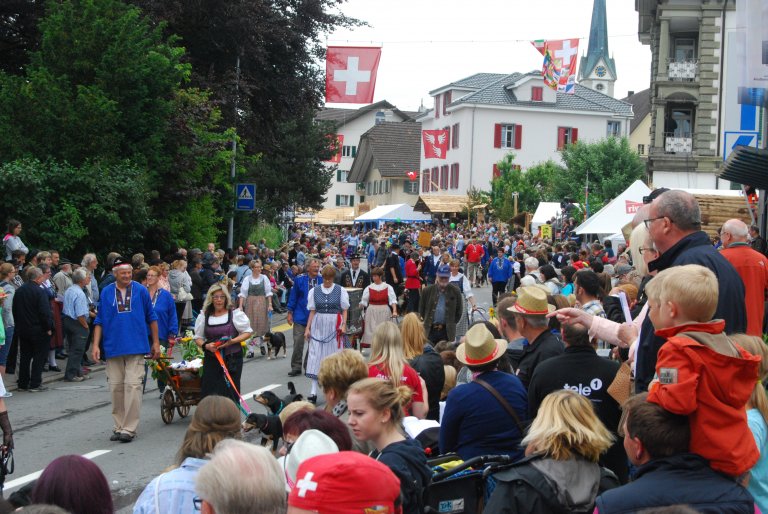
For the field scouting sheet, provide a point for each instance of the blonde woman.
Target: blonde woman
(564, 444)
(424, 359)
(255, 300)
(388, 362)
(757, 418)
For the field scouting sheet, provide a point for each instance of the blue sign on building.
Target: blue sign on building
(246, 197)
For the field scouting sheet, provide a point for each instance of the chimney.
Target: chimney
(630, 93)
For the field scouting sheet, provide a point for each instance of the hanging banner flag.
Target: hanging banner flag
(435, 143)
(413, 175)
(350, 74)
(335, 143)
(559, 67)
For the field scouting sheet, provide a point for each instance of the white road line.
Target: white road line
(249, 396)
(34, 476)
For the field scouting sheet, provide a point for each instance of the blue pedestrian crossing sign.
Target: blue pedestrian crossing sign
(246, 197)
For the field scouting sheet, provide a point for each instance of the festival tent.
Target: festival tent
(400, 212)
(616, 213)
(544, 212)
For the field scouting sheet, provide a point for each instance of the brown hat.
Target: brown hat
(531, 301)
(479, 347)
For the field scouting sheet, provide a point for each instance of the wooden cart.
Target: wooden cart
(182, 389)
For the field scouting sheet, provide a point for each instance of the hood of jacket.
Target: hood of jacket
(576, 481)
(411, 452)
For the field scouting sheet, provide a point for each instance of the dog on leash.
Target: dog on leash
(275, 341)
(268, 424)
(275, 404)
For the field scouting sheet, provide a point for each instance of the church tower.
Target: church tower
(597, 70)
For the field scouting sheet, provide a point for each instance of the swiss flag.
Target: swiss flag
(435, 143)
(350, 74)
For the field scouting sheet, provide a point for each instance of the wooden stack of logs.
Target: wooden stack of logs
(716, 210)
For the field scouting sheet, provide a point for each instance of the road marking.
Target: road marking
(249, 396)
(285, 327)
(34, 476)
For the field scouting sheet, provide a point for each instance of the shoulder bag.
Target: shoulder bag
(504, 403)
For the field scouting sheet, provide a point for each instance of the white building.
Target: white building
(350, 125)
(489, 115)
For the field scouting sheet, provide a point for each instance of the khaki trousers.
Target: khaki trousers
(125, 375)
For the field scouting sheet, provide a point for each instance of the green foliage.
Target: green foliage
(93, 207)
(612, 166)
(533, 186)
(271, 233)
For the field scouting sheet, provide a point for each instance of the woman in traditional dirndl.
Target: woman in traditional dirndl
(328, 304)
(255, 300)
(380, 303)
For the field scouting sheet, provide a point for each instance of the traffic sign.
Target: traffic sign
(246, 197)
(735, 138)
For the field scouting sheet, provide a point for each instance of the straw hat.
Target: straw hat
(532, 301)
(479, 347)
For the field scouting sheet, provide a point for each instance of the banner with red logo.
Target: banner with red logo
(632, 207)
(435, 143)
(335, 143)
(350, 74)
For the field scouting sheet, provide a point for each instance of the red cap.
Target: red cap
(345, 483)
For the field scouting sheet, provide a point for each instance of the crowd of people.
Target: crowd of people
(609, 381)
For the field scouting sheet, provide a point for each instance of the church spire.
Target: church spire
(597, 69)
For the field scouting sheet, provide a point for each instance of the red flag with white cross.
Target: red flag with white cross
(435, 143)
(350, 74)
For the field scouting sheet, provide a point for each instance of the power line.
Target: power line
(453, 41)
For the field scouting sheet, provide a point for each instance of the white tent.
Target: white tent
(395, 212)
(544, 212)
(616, 213)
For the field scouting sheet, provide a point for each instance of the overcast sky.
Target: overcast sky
(429, 43)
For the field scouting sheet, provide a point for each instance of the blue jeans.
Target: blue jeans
(7, 346)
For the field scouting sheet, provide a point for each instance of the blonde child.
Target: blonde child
(700, 372)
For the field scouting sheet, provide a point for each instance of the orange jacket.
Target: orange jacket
(699, 379)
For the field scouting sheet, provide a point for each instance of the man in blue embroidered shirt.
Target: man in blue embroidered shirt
(125, 313)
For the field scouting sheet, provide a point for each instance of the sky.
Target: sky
(427, 44)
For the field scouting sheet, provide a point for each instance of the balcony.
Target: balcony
(360, 186)
(677, 143)
(685, 70)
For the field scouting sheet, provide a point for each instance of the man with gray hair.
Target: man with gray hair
(241, 478)
(34, 323)
(752, 267)
(76, 314)
(90, 262)
(674, 224)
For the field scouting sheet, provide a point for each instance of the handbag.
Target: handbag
(183, 296)
(621, 387)
(503, 402)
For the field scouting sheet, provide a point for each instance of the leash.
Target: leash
(228, 378)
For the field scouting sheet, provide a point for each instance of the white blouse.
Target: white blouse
(238, 318)
(327, 290)
(378, 287)
(467, 288)
(248, 280)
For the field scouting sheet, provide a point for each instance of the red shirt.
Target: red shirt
(474, 253)
(752, 267)
(412, 275)
(409, 378)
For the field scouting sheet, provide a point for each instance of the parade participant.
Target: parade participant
(561, 472)
(474, 254)
(256, 301)
(582, 370)
(34, 325)
(475, 421)
(12, 241)
(75, 484)
(376, 411)
(695, 362)
(125, 323)
(326, 329)
(431, 263)
(214, 420)
(165, 308)
(752, 267)
(380, 304)
(240, 478)
(298, 314)
(657, 441)
(499, 274)
(461, 282)
(393, 272)
(441, 308)
(355, 277)
(425, 360)
(413, 281)
(530, 311)
(76, 314)
(218, 320)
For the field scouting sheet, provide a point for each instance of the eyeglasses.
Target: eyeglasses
(197, 502)
(218, 297)
(651, 220)
(651, 249)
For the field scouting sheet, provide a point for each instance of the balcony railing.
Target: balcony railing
(683, 70)
(678, 143)
(360, 186)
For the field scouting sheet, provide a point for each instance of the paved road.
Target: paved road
(76, 419)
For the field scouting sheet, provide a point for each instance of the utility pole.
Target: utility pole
(232, 167)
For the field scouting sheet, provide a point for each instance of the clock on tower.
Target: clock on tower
(600, 71)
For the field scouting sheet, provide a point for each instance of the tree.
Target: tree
(532, 186)
(612, 166)
(19, 35)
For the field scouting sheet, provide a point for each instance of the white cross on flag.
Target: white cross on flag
(350, 74)
(560, 56)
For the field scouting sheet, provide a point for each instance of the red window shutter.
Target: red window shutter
(448, 128)
(497, 136)
(456, 180)
(574, 135)
(455, 136)
(518, 137)
(446, 101)
(444, 177)
(437, 106)
(435, 179)
(496, 173)
(537, 94)
(560, 137)
(425, 181)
